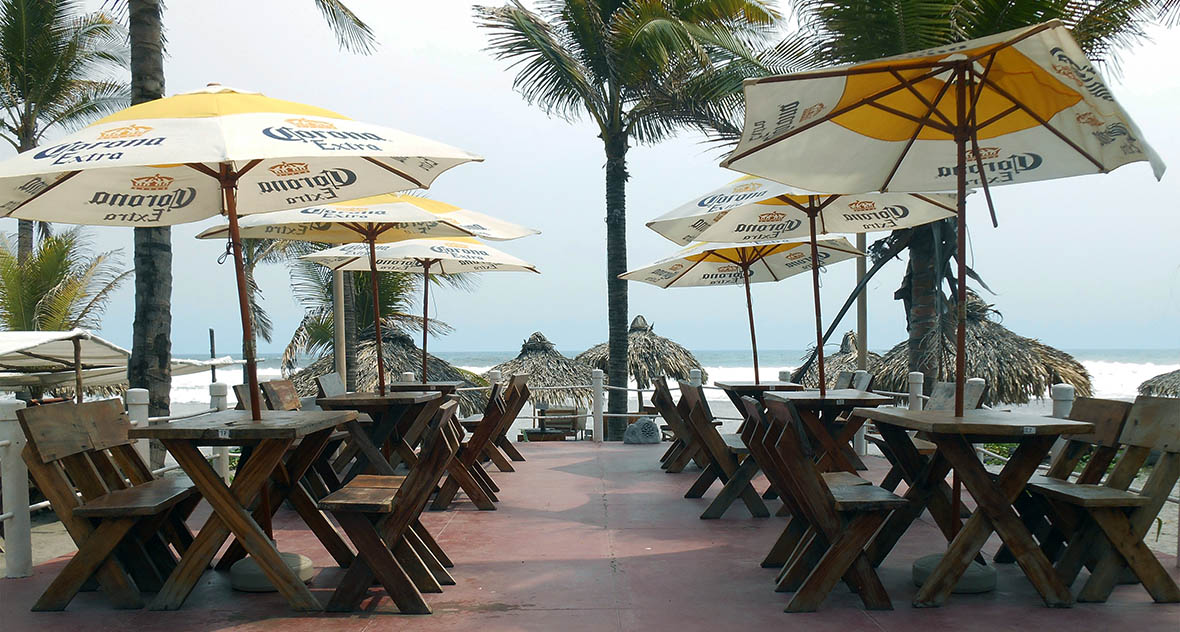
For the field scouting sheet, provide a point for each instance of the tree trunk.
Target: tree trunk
(24, 227)
(616, 288)
(349, 325)
(151, 342)
(923, 318)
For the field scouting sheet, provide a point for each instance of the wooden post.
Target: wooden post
(858, 440)
(916, 385)
(219, 399)
(819, 326)
(212, 355)
(338, 353)
(377, 317)
(137, 412)
(229, 184)
(750, 310)
(14, 491)
(862, 307)
(596, 383)
(78, 369)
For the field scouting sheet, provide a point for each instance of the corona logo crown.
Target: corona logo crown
(151, 183)
(310, 123)
(985, 153)
(811, 112)
(675, 266)
(728, 268)
(1088, 118)
(717, 217)
(127, 131)
(773, 216)
(795, 255)
(862, 205)
(290, 169)
(746, 187)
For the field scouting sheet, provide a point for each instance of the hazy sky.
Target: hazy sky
(1087, 262)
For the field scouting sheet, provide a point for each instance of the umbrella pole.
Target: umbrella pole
(78, 369)
(750, 310)
(377, 313)
(819, 326)
(229, 190)
(425, 312)
(961, 333)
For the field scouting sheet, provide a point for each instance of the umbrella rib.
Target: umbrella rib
(397, 172)
(770, 270)
(933, 107)
(997, 117)
(43, 192)
(922, 98)
(686, 271)
(203, 168)
(930, 200)
(249, 165)
(910, 117)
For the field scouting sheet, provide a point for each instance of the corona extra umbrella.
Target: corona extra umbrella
(377, 219)
(1019, 106)
(211, 152)
(709, 264)
(443, 256)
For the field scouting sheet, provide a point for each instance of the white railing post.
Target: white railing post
(408, 376)
(137, 411)
(1062, 396)
(18, 543)
(219, 400)
(494, 377)
(858, 440)
(694, 377)
(916, 384)
(596, 385)
(785, 376)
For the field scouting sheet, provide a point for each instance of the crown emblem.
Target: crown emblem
(746, 187)
(310, 123)
(675, 266)
(811, 112)
(717, 217)
(862, 205)
(151, 183)
(795, 255)
(289, 169)
(1088, 118)
(128, 131)
(984, 153)
(773, 216)
(728, 268)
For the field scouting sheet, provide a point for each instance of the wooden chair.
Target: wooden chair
(844, 379)
(381, 514)
(330, 385)
(472, 450)
(724, 455)
(125, 519)
(685, 447)
(1116, 519)
(500, 449)
(839, 521)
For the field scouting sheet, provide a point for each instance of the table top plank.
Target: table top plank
(833, 397)
(764, 385)
(390, 398)
(236, 425)
(981, 421)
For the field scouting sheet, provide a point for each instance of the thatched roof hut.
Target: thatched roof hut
(1164, 385)
(648, 355)
(1016, 368)
(546, 367)
(401, 354)
(842, 360)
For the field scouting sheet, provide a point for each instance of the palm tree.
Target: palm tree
(860, 30)
(640, 70)
(151, 342)
(57, 68)
(59, 286)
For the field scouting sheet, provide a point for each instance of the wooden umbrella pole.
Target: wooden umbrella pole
(750, 310)
(961, 137)
(425, 312)
(377, 313)
(78, 370)
(819, 326)
(229, 185)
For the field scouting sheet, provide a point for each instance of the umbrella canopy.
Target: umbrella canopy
(1163, 385)
(401, 355)
(207, 152)
(547, 368)
(443, 256)
(708, 264)
(648, 355)
(759, 209)
(1019, 106)
(1016, 368)
(842, 360)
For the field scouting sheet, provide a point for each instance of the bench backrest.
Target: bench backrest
(1153, 423)
(485, 431)
(797, 458)
(516, 395)
(700, 420)
(440, 443)
(1108, 417)
(844, 379)
(665, 405)
(942, 396)
(862, 381)
(330, 385)
(280, 395)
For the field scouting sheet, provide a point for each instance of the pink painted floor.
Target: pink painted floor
(599, 538)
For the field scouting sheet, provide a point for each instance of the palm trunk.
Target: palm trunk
(616, 288)
(24, 228)
(151, 342)
(349, 325)
(923, 315)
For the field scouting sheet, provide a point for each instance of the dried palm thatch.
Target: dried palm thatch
(648, 355)
(1016, 368)
(546, 367)
(1163, 385)
(400, 355)
(842, 360)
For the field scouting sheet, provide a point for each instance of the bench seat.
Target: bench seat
(1087, 495)
(860, 498)
(146, 499)
(842, 479)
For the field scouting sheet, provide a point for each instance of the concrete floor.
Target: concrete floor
(591, 537)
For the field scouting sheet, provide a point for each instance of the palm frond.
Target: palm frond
(352, 34)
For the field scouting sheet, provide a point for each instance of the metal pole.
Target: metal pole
(596, 384)
(377, 313)
(961, 335)
(14, 491)
(862, 307)
(819, 325)
(228, 188)
(212, 355)
(750, 310)
(338, 353)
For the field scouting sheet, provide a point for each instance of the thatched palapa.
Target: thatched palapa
(401, 355)
(1017, 369)
(1164, 385)
(546, 367)
(648, 356)
(842, 360)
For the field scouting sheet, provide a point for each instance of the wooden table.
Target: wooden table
(737, 390)
(446, 388)
(399, 417)
(270, 437)
(954, 437)
(819, 415)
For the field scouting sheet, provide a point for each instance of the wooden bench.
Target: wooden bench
(685, 447)
(466, 471)
(725, 462)
(500, 449)
(128, 526)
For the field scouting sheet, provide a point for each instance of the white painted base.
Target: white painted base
(246, 576)
(976, 579)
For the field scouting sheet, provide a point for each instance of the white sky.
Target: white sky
(1088, 262)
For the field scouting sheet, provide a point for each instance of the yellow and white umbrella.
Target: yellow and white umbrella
(1020, 106)
(377, 219)
(712, 264)
(441, 256)
(215, 151)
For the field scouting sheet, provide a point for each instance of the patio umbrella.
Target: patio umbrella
(647, 354)
(547, 368)
(381, 218)
(1163, 385)
(1019, 106)
(445, 256)
(708, 264)
(215, 151)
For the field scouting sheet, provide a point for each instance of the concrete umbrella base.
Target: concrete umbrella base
(246, 576)
(976, 579)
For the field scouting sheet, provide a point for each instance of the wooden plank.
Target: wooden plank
(1154, 422)
(377, 559)
(865, 498)
(280, 395)
(837, 397)
(56, 430)
(236, 426)
(147, 499)
(374, 400)
(1088, 495)
(359, 499)
(981, 422)
(94, 550)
